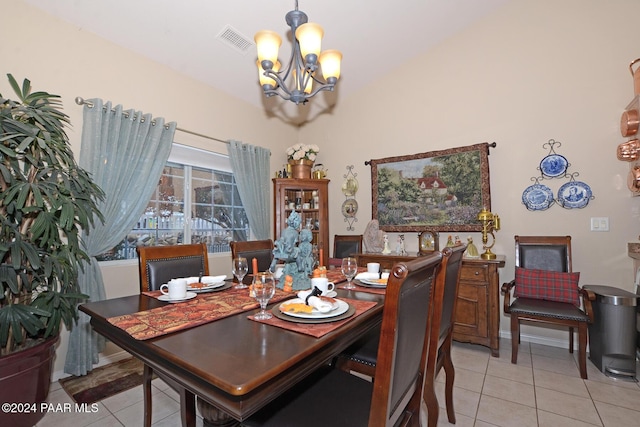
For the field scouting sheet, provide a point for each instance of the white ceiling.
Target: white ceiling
(373, 35)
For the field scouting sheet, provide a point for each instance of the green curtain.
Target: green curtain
(125, 151)
(251, 169)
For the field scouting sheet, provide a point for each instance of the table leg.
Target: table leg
(214, 417)
(187, 408)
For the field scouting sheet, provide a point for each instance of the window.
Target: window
(196, 200)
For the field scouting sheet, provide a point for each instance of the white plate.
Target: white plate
(189, 296)
(371, 276)
(373, 282)
(206, 287)
(341, 307)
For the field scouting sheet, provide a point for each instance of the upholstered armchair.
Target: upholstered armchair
(546, 291)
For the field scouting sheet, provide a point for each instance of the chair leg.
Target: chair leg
(515, 337)
(147, 375)
(450, 372)
(582, 349)
(430, 399)
(571, 339)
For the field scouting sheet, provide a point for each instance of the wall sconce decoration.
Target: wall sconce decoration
(490, 223)
(349, 189)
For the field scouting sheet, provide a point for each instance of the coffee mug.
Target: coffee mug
(323, 284)
(373, 267)
(175, 289)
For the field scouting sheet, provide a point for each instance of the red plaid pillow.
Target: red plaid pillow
(547, 285)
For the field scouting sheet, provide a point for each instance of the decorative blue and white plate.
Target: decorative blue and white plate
(574, 194)
(537, 197)
(554, 165)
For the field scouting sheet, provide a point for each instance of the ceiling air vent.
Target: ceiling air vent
(232, 38)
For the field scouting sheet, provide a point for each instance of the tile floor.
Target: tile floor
(543, 389)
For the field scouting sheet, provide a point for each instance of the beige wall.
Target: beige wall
(531, 72)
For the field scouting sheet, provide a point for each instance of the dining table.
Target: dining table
(211, 348)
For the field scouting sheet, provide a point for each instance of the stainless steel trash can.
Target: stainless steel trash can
(612, 335)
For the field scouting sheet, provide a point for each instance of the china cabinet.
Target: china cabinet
(308, 197)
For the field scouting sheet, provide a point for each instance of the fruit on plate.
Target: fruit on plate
(296, 307)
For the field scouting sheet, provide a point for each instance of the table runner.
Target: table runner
(204, 308)
(318, 330)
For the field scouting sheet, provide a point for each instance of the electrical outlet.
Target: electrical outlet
(600, 224)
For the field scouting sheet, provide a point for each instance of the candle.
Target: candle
(320, 257)
(254, 266)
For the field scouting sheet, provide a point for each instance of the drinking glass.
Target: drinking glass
(239, 269)
(264, 286)
(349, 269)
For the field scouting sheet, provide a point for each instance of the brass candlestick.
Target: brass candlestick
(490, 223)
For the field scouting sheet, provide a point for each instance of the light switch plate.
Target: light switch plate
(600, 224)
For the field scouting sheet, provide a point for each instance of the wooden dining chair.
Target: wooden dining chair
(441, 334)
(332, 397)
(362, 357)
(262, 250)
(159, 264)
(156, 266)
(546, 291)
(344, 246)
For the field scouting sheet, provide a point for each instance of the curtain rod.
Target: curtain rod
(81, 101)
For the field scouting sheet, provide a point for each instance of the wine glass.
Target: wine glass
(349, 269)
(264, 286)
(239, 268)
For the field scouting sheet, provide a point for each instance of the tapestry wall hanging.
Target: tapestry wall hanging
(438, 190)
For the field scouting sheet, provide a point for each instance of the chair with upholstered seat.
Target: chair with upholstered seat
(156, 266)
(362, 357)
(159, 264)
(262, 250)
(332, 397)
(546, 291)
(344, 246)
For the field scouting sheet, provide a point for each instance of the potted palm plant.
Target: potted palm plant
(46, 200)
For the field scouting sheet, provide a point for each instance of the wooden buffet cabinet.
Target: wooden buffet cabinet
(477, 318)
(313, 192)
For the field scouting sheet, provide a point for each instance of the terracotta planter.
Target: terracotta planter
(25, 378)
(301, 169)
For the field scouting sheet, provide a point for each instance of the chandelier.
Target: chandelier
(296, 82)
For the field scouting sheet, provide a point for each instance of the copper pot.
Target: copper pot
(636, 76)
(629, 151)
(629, 122)
(633, 179)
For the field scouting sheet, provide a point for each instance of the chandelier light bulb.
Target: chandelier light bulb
(330, 62)
(309, 36)
(267, 43)
(265, 79)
